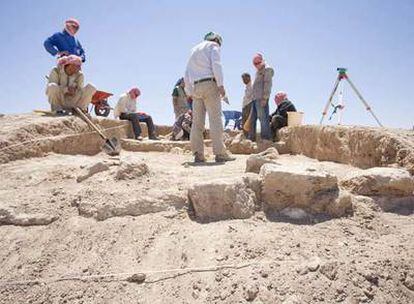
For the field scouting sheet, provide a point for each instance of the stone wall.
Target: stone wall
(359, 146)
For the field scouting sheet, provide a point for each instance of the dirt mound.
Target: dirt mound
(99, 229)
(33, 135)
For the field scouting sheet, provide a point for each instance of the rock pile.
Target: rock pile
(222, 199)
(130, 168)
(277, 188)
(312, 190)
(256, 161)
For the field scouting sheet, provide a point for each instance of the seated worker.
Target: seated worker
(182, 126)
(65, 88)
(180, 103)
(126, 109)
(279, 119)
(64, 43)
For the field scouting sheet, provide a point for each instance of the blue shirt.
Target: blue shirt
(63, 41)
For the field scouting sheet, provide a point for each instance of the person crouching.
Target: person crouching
(279, 118)
(126, 109)
(65, 89)
(182, 126)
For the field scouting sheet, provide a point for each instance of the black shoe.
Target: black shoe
(221, 158)
(198, 158)
(60, 113)
(153, 138)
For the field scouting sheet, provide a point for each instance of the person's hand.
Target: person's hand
(263, 102)
(71, 90)
(222, 91)
(60, 54)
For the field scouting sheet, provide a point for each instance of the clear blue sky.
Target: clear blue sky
(147, 43)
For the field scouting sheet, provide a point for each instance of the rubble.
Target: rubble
(241, 145)
(380, 181)
(222, 199)
(11, 217)
(92, 170)
(130, 168)
(256, 161)
(142, 204)
(310, 189)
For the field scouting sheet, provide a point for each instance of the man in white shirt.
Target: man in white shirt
(204, 82)
(126, 109)
(247, 99)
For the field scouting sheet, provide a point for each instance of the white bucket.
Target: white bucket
(295, 118)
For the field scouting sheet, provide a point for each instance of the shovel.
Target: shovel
(111, 146)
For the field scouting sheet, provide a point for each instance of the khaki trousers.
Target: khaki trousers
(58, 101)
(207, 99)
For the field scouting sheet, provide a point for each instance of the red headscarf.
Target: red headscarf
(69, 24)
(134, 93)
(258, 61)
(280, 96)
(71, 59)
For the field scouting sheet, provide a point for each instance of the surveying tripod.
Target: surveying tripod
(342, 75)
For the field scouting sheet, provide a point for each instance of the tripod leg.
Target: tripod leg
(340, 103)
(325, 110)
(363, 101)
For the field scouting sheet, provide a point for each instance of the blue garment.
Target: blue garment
(261, 113)
(64, 42)
(232, 115)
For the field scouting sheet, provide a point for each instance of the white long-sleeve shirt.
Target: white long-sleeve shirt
(248, 94)
(125, 105)
(204, 62)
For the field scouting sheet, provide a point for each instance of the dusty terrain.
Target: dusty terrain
(75, 228)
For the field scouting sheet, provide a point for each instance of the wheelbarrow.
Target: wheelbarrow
(100, 103)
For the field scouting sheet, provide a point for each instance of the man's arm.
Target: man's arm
(49, 45)
(175, 96)
(267, 87)
(188, 84)
(82, 52)
(284, 108)
(216, 65)
(120, 106)
(79, 81)
(54, 78)
(291, 107)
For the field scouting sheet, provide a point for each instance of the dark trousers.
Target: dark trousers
(135, 119)
(277, 123)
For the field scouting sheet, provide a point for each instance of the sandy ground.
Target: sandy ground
(365, 258)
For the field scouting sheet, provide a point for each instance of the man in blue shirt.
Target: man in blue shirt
(65, 43)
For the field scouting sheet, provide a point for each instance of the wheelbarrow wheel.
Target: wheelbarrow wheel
(103, 109)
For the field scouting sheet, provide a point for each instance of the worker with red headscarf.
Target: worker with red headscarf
(262, 87)
(126, 109)
(64, 43)
(65, 88)
(279, 118)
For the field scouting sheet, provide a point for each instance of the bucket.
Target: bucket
(295, 118)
